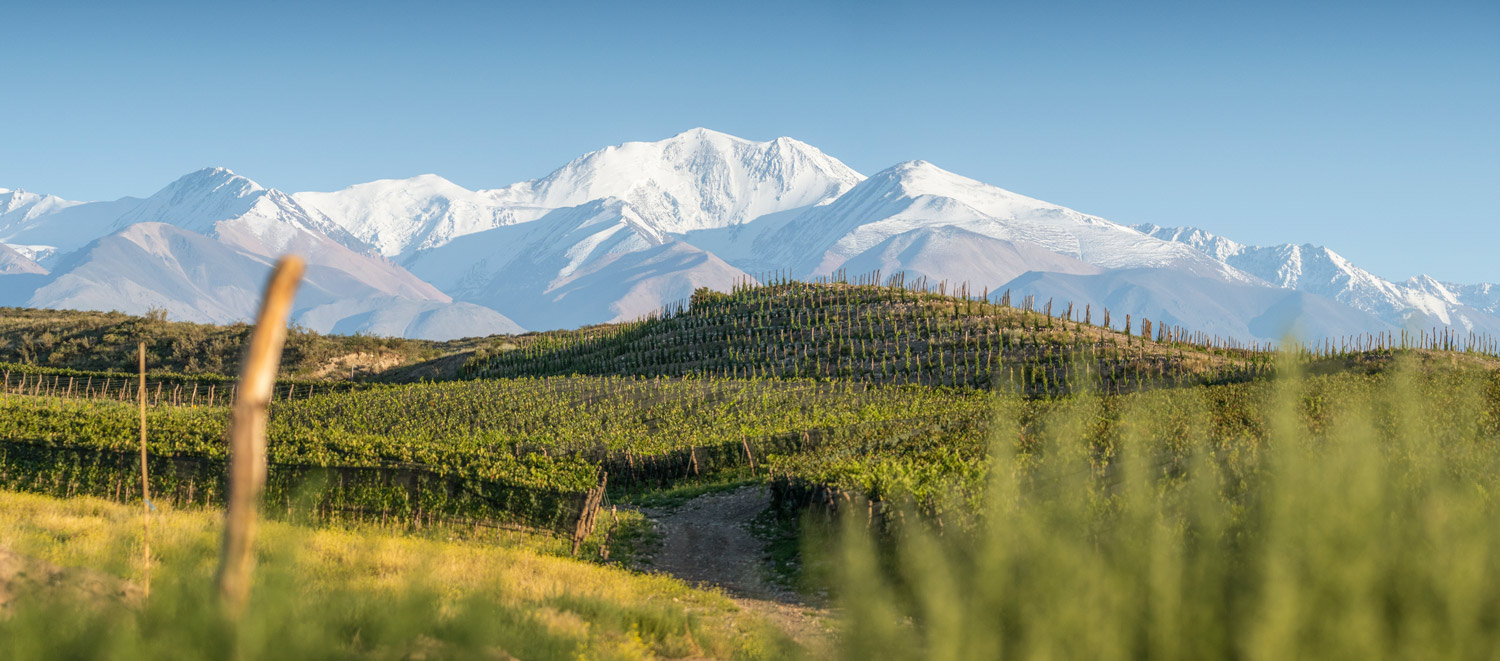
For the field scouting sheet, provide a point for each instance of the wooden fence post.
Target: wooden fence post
(247, 434)
(591, 501)
(145, 484)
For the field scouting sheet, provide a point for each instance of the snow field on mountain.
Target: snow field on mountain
(619, 232)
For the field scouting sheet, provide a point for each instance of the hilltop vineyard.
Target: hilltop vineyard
(912, 334)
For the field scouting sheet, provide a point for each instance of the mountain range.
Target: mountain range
(618, 233)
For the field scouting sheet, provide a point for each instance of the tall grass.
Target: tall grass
(354, 593)
(1355, 523)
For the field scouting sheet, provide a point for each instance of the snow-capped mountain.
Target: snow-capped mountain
(917, 195)
(699, 179)
(1485, 296)
(694, 180)
(261, 221)
(196, 278)
(1203, 304)
(619, 232)
(958, 255)
(44, 237)
(1418, 302)
(19, 208)
(219, 203)
(155, 265)
(596, 262)
(399, 216)
(201, 249)
(14, 262)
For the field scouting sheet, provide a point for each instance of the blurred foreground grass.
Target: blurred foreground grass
(352, 593)
(1354, 518)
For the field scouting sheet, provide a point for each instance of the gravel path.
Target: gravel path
(708, 541)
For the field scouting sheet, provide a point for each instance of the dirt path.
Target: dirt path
(708, 541)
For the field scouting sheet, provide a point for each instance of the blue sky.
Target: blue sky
(1366, 126)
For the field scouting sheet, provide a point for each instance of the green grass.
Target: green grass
(1358, 518)
(796, 556)
(358, 594)
(674, 497)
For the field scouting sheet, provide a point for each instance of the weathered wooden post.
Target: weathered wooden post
(145, 484)
(247, 434)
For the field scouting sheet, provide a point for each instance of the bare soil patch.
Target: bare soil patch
(707, 541)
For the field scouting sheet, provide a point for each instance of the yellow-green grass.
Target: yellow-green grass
(355, 593)
(1361, 522)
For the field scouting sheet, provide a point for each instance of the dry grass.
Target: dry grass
(549, 603)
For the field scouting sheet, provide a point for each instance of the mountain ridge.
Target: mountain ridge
(621, 231)
(1319, 270)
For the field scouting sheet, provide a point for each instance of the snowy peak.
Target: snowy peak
(592, 263)
(19, 208)
(198, 201)
(219, 203)
(1485, 296)
(1319, 270)
(918, 194)
(13, 262)
(694, 180)
(921, 180)
(624, 229)
(405, 215)
(1213, 245)
(698, 179)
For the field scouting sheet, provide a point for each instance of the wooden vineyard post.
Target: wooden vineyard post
(247, 434)
(145, 485)
(591, 502)
(746, 443)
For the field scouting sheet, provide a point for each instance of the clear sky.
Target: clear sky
(1370, 127)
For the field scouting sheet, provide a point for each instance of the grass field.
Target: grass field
(354, 593)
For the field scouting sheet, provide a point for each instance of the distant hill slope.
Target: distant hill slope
(98, 341)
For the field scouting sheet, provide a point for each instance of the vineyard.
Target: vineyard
(826, 391)
(895, 333)
(72, 447)
(526, 450)
(913, 417)
(942, 468)
(535, 439)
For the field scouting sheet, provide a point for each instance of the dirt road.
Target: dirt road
(708, 541)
